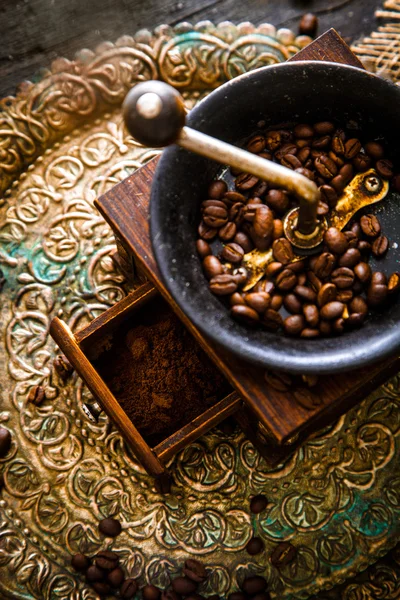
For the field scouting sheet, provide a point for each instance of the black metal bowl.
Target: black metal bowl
(298, 91)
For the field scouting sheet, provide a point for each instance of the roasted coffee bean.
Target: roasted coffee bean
(324, 265)
(80, 562)
(374, 150)
(370, 225)
(291, 161)
(376, 294)
(236, 298)
(311, 315)
(344, 296)
(308, 25)
(327, 293)
(324, 128)
(183, 586)
(264, 286)
(384, 168)
(283, 554)
(240, 275)
(306, 172)
(354, 320)
(303, 154)
(338, 183)
(356, 229)
(272, 320)
(278, 229)
(305, 293)
(350, 258)
(203, 248)
(116, 577)
(273, 269)
(286, 280)
(245, 181)
(102, 588)
(351, 148)
(258, 504)
(110, 527)
(205, 232)
(256, 144)
(94, 573)
(343, 277)
(364, 247)
(244, 314)
(195, 570)
(261, 187)
(62, 367)
(351, 238)
(315, 282)
(263, 226)
(287, 148)
(347, 172)
(338, 325)
(292, 304)
(212, 204)
(258, 301)
(277, 200)
(243, 240)
(231, 198)
(380, 246)
(276, 302)
(294, 324)
(129, 588)
(303, 143)
(322, 209)
(170, 595)
(310, 333)
(328, 195)
(296, 266)
(282, 251)
(232, 253)
(273, 140)
(362, 162)
(332, 310)
(338, 160)
(336, 240)
(254, 585)
(238, 212)
(228, 231)
(303, 131)
(322, 142)
(223, 285)
(217, 189)
(151, 592)
(325, 328)
(279, 381)
(215, 216)
(378, 278)
(358, 305)
(5, 441)
(255, 546)
(325, 166)
(212, 266)
(37, 395)
(338, 144)
(106, 560)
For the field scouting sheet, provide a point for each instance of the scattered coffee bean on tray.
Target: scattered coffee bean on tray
(5, 441)
(255, 546)
(128, 589)
(300, 297)
(151, 592)
(283, 554)
(258, 504)
(183, 586)
(254, 585)
(36, 395)
(110, 527)
(63, 367)
(80, 562)
(308, 24)
(195, 570)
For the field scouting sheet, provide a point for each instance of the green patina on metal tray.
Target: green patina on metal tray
(337, 499)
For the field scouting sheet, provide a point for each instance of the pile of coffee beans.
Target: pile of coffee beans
(325, 294)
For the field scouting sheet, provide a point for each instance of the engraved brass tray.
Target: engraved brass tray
(337, 499)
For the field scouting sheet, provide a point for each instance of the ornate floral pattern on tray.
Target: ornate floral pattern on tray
(337, 499)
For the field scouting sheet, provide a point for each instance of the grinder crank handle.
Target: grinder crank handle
(155, 115)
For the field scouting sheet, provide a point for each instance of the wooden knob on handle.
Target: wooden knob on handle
(154, 113)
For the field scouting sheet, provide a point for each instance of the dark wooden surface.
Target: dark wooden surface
(35, 32)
